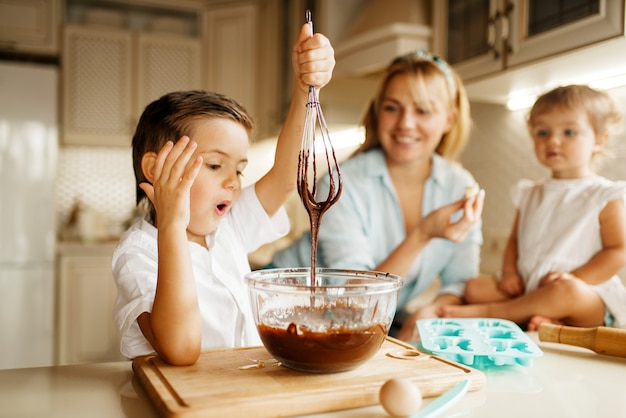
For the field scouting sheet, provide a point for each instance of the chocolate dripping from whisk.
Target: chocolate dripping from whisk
(314, 208)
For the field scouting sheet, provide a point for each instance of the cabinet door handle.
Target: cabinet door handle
(491, 33)
(506, 28)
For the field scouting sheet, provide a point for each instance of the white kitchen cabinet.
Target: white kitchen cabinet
(480, 38)
(246, 56)
(111, 74)
(232, 52)
(165, 63)
(85, 296)
(97, 86)
(30, 26)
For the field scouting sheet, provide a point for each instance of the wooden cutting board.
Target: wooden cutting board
(246, 382)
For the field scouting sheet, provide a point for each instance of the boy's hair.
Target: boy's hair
(603, 114)
(173, 116)
(422, 68)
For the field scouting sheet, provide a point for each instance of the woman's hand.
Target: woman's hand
(438, 224)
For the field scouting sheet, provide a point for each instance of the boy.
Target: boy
(181, 290)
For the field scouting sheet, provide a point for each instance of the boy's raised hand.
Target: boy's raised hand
(172, 173)
(313, 59)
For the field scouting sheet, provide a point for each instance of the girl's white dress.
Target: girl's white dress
(559, 230)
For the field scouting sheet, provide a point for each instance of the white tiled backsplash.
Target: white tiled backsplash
(101, 179)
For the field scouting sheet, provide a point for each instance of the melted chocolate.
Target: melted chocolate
(331, 351)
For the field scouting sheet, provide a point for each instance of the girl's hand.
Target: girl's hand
(554, 276)
(437, 224)
(313, 59)
(173, 173)
(512, 285)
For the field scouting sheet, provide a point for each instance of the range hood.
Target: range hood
(371, 51)
(376, 31)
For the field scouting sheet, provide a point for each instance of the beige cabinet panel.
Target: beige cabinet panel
(165, 63)
(110, 75)
(86, 295)
(248, 59)
(30, 26)
(232, 53)
(97, 82)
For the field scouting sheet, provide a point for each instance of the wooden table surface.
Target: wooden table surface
(565, 382)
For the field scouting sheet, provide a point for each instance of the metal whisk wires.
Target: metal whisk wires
(307, 166)
(307, 186)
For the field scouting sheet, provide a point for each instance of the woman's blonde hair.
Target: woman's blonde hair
(422, 68)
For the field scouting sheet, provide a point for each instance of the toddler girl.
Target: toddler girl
(568, 240)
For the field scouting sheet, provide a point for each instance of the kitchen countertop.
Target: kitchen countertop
(565, 382)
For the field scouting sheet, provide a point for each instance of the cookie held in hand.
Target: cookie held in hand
(472, 191)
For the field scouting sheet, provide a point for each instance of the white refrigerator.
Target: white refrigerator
(28, 161)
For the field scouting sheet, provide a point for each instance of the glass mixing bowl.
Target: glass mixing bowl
(332, 326)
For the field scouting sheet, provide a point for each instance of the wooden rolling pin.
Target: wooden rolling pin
(602, 340)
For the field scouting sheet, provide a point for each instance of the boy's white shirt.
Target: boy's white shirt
(225, 307)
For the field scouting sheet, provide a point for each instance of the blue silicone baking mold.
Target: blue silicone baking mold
(478, 342)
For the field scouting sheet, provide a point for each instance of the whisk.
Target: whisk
(307, 165)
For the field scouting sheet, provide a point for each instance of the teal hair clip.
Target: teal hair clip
(440, 63)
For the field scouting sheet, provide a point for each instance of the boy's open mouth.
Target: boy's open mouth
(221, 208)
